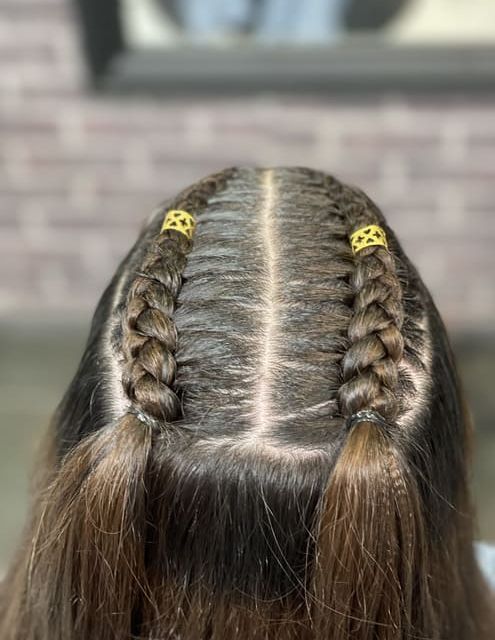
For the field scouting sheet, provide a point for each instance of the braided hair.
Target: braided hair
(370, 364)
(265, 439)
(149, 335)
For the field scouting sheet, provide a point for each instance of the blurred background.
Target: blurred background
(109, 106)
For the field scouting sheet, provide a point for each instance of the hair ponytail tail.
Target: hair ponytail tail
(371, 571)
(85, 575)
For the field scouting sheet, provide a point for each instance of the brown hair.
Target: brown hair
(206, 479)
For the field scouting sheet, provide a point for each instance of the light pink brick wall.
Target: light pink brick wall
(79, 172)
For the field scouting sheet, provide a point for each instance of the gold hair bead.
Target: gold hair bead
(369, 236)
(179, 220)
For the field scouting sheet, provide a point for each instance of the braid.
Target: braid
(370, 364)
(149, 336)
(371, 487)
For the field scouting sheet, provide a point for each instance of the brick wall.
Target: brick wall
(79, 172)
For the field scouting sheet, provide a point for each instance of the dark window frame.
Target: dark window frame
(359, 64)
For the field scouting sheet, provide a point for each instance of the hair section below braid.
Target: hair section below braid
(369, 582)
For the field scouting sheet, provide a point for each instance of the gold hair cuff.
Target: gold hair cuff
(369, 236)
(181, 221)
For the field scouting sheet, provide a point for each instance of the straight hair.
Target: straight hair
(205, 475)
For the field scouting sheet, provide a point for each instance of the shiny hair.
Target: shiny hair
(203, 478)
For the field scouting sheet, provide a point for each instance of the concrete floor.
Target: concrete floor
(36, 365)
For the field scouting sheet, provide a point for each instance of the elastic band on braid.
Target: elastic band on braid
(149, 339)
(370, 364)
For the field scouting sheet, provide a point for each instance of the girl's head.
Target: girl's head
(265, 437)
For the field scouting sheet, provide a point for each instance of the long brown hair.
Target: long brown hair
(206, 478)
